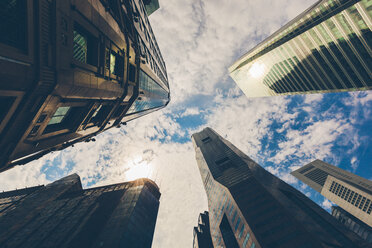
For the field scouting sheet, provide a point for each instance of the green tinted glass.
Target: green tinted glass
(56, 120)
(59, 115)
(80, 47)
(354, 14)
(61, 111)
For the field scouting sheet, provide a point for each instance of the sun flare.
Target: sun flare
(257, 70)
(139, 170)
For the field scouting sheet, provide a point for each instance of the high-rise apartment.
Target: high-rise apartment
(327, 48)
(250, 207)
(349, 191)
(62, 214)
(364, 231)
(202, 234)
(73, 69)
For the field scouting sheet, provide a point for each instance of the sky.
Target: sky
(199, 40)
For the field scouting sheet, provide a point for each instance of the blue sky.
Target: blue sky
(199, 40)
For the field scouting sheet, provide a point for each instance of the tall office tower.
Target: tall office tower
(202, 234)
(62, 214)
(73, 69)
(327, 48)
(349, 191)
(249, 207)
(364, 231)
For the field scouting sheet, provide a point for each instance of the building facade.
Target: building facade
(71, 69)
(62, 214)
(349, 191)
(327, 48)
(364, 231)
(249, 207)
(202, 234)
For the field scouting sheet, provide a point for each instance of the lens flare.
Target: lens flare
(257, 70)
(139, 170)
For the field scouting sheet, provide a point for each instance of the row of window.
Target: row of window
(321, 11)
(86, 50)
(313, 61)
(362, 230)
(157, 95)
(149, 34)
(242, 228)
(70, 117)
(319, 176)
(351, 196)
(150, 60)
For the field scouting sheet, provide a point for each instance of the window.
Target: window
(234, 216)
(85, 47)
(241, 231)
(66, 117)
(318, 176)
(237, 224)
(231, 210)
(59, 115)
(206, 140)
(114, 63)
(246, 240)
(80, 47)
(13, 23)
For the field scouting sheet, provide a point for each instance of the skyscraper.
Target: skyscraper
(349, 191)
(361, 229)
(327, 48)
(62, 214)
(202, 234)
(249, 207)
(73, 69)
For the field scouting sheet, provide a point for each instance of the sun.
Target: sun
(139, 170)
(257, 70)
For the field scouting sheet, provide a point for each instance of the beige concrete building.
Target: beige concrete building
(349, 191)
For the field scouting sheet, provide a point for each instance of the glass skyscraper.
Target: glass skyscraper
(249, 207)
(327, 48)
(62, 214)
(349, 191)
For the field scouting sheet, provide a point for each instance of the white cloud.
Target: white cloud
(199, 40)
(354, 163)
(191, 111)
(327, 204)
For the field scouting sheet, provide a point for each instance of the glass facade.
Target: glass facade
(327, 48)
(59, 115)
(153, 95)
(80, 51)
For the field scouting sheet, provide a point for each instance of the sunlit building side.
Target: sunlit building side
(327, 48)
(73, 69)
(62, 214)
(349, 191)
(250, 207)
